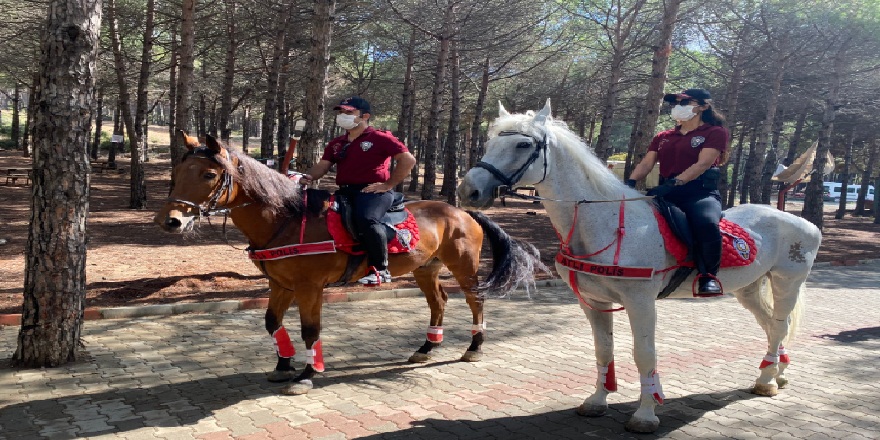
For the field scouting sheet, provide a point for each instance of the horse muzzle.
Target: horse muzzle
(174, 224)
(474, 196)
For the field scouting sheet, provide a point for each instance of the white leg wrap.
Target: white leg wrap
(435, 333)
(477, 328)
(651, 385)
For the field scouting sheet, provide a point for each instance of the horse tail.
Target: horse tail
(514, 262)
(796, 314)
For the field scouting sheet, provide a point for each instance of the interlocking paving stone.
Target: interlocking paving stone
(203, 376)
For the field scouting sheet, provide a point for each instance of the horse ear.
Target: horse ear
(501, 110)
(212, 144)
(541, 117)
(189, 142)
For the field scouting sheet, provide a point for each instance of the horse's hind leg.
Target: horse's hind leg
(774, 319)
(463, 260)
(279, 301)
(428, 279)
(602, 325)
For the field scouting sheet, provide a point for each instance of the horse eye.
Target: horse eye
(210, 175)
(524, 145)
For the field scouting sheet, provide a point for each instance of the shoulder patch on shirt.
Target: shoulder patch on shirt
(696, 141)
(365, 145)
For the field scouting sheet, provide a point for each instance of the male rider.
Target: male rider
(363, 159)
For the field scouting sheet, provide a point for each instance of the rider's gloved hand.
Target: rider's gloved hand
(630, 183)
(663, 190)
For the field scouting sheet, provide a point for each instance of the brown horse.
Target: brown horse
(268, 209)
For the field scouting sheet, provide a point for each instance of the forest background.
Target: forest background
(785, 73)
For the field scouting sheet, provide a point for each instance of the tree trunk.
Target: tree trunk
(270, 106)
(138, 187)
(230, 8)
(202, 127)
(417, 149)
(433, 139)
(15, 133)
(316, 85)
(603, 143)
(647, 124)
(246, 129)
(813, 203)
(453, 134)
(633, 138)
(31, 110)
(731, 195)
(744, 189)
(99, 123)
(844, 179)
(756, 164)
(117, 133)
(404, 120)
(55, 258)
(172, 96)
(475, 150)
(183, 98)
(796, 137)
(866, 180)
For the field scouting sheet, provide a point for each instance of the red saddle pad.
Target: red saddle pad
(406, 238)
(738, 247)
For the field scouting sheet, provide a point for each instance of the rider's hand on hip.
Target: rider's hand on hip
(378, 187)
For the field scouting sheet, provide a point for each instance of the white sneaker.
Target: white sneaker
(375, 278)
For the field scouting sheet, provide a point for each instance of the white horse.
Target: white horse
(532, 149)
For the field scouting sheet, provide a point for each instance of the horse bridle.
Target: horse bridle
(209, 207)
(510, 181)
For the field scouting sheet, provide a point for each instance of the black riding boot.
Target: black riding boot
(708, 263)
(375, 239)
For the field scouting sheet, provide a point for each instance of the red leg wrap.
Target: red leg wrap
(283, 345)
(315, 357)
(610, 378)
(435, 333)
(783, 355)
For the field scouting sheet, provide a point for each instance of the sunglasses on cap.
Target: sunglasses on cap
(684, 101)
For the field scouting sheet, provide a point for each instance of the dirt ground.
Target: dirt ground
(131, 262)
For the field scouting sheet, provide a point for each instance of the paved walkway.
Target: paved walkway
(202, 376)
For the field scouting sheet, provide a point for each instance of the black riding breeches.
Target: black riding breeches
(369, 208)
(703, 210)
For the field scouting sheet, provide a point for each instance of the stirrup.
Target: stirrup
(376, 277)
(706, 295)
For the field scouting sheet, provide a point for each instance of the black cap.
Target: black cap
(354, 103)
(701, 95)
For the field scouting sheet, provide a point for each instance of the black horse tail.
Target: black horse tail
(514, 262)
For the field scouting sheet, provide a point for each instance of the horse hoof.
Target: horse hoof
(781, 382)
(298, 388)
(642, 426)
(591, 410)
(419, 358)
(280, 376)
(472, 356)
(768, 390)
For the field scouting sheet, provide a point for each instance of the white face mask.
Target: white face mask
(346, 121)
(682, 112)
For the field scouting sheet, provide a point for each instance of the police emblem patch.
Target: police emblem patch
(404, 236)
(366, 145)
(742, 248)
(696, 141)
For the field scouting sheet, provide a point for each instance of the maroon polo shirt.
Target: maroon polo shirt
(676, 152)
(367, 159)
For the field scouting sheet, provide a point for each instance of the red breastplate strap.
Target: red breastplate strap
(293, 250)
(578, 263)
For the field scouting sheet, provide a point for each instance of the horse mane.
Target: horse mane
(262, 184)
(569, 146)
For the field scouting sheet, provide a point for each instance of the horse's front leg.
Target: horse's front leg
(427, 278)
(602, 324)
(309, 300)
(643, 320)
(279, 301)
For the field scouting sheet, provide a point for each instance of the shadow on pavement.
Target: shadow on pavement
(855, 336)
(563, 424)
